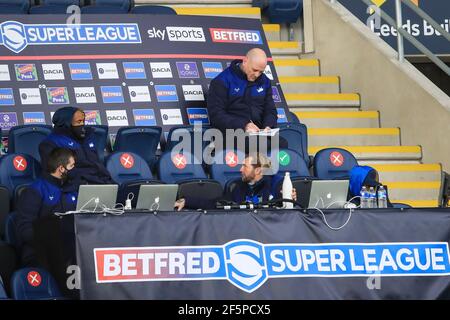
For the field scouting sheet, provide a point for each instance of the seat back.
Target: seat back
(127, 166)
(18, 169)
(124, 5)
(14, 6)
(3, 294)
(62, 2)
(142, 140)
(208, 189)
(101, 140)
(173, 168)
(103, 10)
(227, 165)
(290, 161)
(294, 118)
(11, 230)
(26, 139)
(296, 136)
(153, 9)
(284, 11)
(333, 163)
(34, 284)
(49, 9)
(178, 134)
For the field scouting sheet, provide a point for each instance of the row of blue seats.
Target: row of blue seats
(87, 6)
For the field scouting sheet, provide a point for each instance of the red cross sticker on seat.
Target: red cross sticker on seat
(127, 160)
(34, 278)
(337, 159)
(20, 163)
(231, 159)
(179, 161)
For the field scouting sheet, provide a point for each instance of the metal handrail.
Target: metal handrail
(401, 33)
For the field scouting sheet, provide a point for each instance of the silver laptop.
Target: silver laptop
(160, 197)
(328, 194)
(88, 195)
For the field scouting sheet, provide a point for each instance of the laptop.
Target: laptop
(328, 194)
(106, 194)
(160, 197)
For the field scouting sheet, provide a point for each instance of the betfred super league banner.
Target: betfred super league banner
(265, 255)
(419, 28)
(121, 69)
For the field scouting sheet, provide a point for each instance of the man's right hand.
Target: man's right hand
(251, 127)
(179, 204)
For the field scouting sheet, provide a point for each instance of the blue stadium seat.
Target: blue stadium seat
(226, 166)
(174, 168)
(296, 136)
(292, 162)
(62, 2)
(14, 6)
(284, 11)
(102, 10)
(4, 208)
(130, 171)
(101, 140)
(49, 9)
(18, 169)
(153, 9)
(8, 264)
(123, 5)
(11, 230)
(294, 118)
(177, 134)
(333, 163)
(34, 284)
(26, 139)
(399, 205)
(142, 140)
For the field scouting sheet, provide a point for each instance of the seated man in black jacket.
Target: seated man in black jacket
(240, 97)
(254, 187)
(44, 197)
(70, 132)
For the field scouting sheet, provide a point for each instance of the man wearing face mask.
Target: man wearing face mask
(45, 196)
(70, 132)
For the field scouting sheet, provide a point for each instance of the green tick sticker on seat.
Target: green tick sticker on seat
(284, 158)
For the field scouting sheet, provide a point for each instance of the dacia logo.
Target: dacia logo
(13, 35)
(245, 264)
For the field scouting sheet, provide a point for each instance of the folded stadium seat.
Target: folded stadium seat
(101, 140)
(17, 170)
(296, 136)
(11, 230)
(49, 9)
(206, 189)
(294, 118)
(102, 10)
(130, 171)
(142, 140)
(26, 139)
(3, 295)
(34, 284)
(121, 6)
(153, 9)
(8, 264)
(333, 163)
(14, 6)
(63, 2)
(227, 166)
(284, 11)
(4, 208)
(177, 134)
(175, 168)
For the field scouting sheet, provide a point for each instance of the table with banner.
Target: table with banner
(265, 254)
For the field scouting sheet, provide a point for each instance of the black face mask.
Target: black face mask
(79, 132)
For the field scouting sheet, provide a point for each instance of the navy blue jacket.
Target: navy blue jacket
(233, 101)
(41, 199)
(242, 192)
(88, 168)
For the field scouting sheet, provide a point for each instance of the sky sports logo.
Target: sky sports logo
(185, 34)
(134, 70)
(80, 71)
(6, 97)
(248, 264)
(235, 36)
(144, 117)
(16, 36)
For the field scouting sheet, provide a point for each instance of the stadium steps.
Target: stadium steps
(297, 67)
(288, 49)
(272, 32)
(310, 84)
(339, 119)
(327, 100)
(354, 136)
(221, 11)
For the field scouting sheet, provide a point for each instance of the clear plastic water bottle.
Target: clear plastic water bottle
(382, 197)
(372, 198)
(287, 191)
(364, 197)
